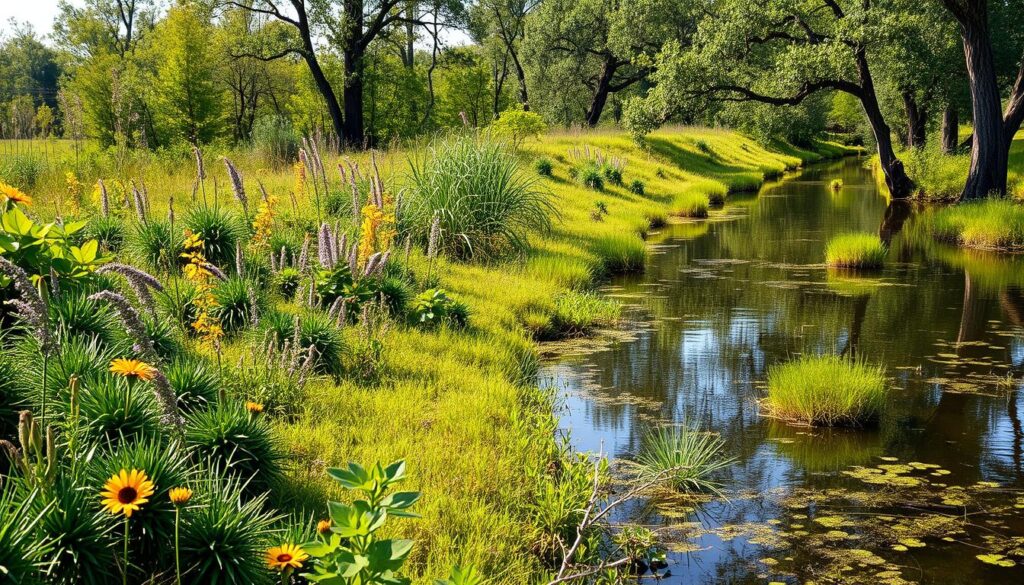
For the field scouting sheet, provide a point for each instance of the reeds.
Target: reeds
(826, 390)
(855, 250)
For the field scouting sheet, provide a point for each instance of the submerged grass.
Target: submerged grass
(826, 390)
(855, 250)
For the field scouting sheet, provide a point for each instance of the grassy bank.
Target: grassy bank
(458, 404)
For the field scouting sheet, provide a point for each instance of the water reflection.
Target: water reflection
(728, 298)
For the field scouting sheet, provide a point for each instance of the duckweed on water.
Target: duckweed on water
(826, 391)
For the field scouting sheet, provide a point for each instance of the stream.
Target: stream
(933, 494)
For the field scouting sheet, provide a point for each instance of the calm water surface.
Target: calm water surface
(722, 300)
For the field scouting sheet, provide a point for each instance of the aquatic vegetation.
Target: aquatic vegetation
(993, 224)
(486, 205)
(855, 250)
(836, 185)
(620, 253)
(825, 391)
(688, 458)
(689, 204)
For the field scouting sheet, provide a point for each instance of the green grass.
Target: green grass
(855, 250)
(691, 205)
(461, 406)
(826, 391)
(993, 224)
(686, 458)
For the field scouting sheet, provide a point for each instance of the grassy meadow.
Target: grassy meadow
(458, 403)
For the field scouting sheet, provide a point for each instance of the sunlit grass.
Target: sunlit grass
(686, 458)
(826, 391)
(994, 224)
(855, 250)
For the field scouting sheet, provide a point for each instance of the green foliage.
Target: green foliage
(543, 166)
(194, 383)
(79, 533)
(220, 230)
(109, 231)
(316, 329)
(485, 206)
(73, 314)
(275, 139)
(286, 281)
(620, 253)
(354, 553)
(855, 250)
(686, 458)
(44, 249)
(690, 204)
(637, 187)
(113, 409)
(576, 314)
(21, 170)
(225, 534)
(433, 307)
(235, 442)
(239, 303)
(517, 125)
(826, 391)
(21, 550)
(590, 174)
(152, 244)
(937, 175)
(991, 224)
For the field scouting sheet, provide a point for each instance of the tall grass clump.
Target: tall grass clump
(993, 224)
(690, 204)
(826, 390)
(855, 250)
(686, 458)
(220, 230)
(485, 205)
(620, 253)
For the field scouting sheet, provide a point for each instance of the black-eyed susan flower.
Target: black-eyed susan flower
(126, 492)
(13, 194)
(179, 496)
(285, 557)
(132, 369)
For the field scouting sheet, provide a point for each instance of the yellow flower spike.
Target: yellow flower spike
(286, 556)
(179, 496)
(126, 492)
(132, 369)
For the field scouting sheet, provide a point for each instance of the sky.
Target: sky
(39, 13)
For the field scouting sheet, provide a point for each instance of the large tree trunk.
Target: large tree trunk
(917, 120)
(1013, 117)
(896, 179)
(950, 128)
(601, 91)
(989, 143)
(354, 135)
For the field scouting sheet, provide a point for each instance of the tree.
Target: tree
(27, 67)
(188, 96)
(506, 20)
(779, 52)
(994, 127)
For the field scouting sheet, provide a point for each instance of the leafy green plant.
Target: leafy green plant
(79, 533)
(517, 124)
(485, 206)
(543, 166)
(44, 249)
(637, 187)
(21, 548)
(590, 175)
(113, 409)
(316, 329)
(238, 303)
(236, 442)
(354, 553)
(686, 458)
(109, 231)
(152, 244)
(612, 174)
(73, 314)
(220, 229)
(193, 382)
(434, 306)
(286, 281)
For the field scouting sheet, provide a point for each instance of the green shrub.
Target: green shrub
(637, 186)
(152, 244)
(855, 250)
(315, 329)
(286, 282)
(434, 306)
(113, 409)
(543, 166)
(224, 537)
(937, 175)
(108, 231)
(826, 391)
(612, 174)
(275, 139)
(337, 203)
(220, 229)
(687, 458)
(21, 170)
(589, 175)
(163, 335)
(620, 253)
(577, 313)
(235, 442)
(238, 303)
(73, 314)
(194, 383)
(486, 207)
(993, 224)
